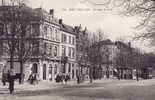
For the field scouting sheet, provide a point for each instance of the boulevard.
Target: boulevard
(105, 89)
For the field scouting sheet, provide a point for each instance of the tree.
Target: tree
(16, 20)
(144, 10)
(123, 58)
(95, 54)
(82, 46)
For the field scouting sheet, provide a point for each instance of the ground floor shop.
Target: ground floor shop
(44, 69)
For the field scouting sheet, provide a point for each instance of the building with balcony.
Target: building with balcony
(53, 47)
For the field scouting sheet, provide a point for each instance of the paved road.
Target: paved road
(99, 90)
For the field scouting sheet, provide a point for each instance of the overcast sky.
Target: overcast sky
(74, 12)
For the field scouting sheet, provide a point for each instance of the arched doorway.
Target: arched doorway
(35, 68)
(44, 72)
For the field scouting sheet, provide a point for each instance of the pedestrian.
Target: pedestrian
(137, 76)
(67, 78)
(63, 78)
(11, 80)
(78, 79)
(4, 75)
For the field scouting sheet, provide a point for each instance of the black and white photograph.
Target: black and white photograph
(77, 49)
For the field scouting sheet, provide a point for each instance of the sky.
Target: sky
(94, 17)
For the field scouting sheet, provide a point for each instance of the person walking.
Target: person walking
(137, 76)
(4, 75)
(11, 80)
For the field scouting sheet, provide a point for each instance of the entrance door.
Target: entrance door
(44, 72)
(35, 68)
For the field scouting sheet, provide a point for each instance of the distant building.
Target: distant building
(111, 60)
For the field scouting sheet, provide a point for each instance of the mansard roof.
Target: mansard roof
(106, 42)
(121, 44)
(67, 28)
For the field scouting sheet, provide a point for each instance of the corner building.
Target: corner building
(54, 48)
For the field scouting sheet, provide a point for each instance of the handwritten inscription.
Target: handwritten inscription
(83, 9)
(96, 2)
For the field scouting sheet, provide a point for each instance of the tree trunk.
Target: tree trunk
(107, 71)
(11, 60)
(21, 79)
(91, 75)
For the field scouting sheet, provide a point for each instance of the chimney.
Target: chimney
(76, 27)
(52, 12)
(60, 21)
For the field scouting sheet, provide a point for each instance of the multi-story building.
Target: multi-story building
(68, 49)
(54, 47)
(114, 56)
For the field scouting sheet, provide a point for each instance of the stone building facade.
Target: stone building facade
(51, 37)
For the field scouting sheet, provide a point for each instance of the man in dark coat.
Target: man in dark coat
(4, 75)
(11, 80)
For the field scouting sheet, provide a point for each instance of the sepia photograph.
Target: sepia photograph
(77, 50)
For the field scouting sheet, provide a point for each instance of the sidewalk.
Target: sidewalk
(40, 86)
(44, 85)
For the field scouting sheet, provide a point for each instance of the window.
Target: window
(55, 69)
(35, 29)
(45, 48)
(55, 51)
(1, 48)
(69, 68)
(64, 38)
(51, 49)
(63, 68)
(57, 34)
(73, 53)
(63, 51)
(54, 35)
(48, 48)
(70, 52)
(34, 69)
(1, 29)
(35, 48)
(73, 40)
(69, 39)
(50, 69)
(51, 32)
(45, 31)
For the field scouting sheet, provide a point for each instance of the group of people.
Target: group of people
(62, 78)
(8, 75)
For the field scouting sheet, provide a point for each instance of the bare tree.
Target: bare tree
(16, 20)
(95, 54)
(145, 11)
(82, 47)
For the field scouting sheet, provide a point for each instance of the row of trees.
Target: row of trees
(89, 51)
(126, 57)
